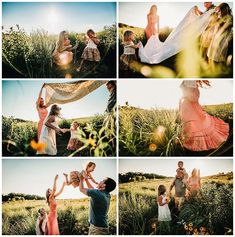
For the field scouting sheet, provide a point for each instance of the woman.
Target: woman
(52, 223)
(42, 112)
(200, 131)
(194, 183)
(222, 35)
(153, 19)
(49, 130)
(62, 54)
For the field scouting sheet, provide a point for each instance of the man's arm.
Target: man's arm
(81, 186)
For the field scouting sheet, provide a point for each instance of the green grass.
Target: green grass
(186, 64)
(30, 55)
(138, 209)
(17, 135)
(19, 217)
(139, 129)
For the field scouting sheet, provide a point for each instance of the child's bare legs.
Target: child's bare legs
(80, 66)
(66, 178)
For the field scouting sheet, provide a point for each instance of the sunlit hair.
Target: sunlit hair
(161, 190)
(74, 177)
(90, 32)
(225, 9)
(61, 39)
(89, 164)
(127, 35)
(153, 7)
(74, 122)
(48, 196)
(202, 83)
(195, 172)
(54, 110)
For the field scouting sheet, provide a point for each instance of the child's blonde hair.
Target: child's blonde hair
(75, 121)
(127, 35)
(89, 164)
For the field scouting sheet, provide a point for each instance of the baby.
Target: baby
(41, 224)
(74, 176)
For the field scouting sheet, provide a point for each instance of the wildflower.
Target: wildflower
(190, 224)
(91, 142)
(38, 146)
(195, 232)
(152, 147)
(190, 228)
(203, 229)
(154, 225)
(185, 227)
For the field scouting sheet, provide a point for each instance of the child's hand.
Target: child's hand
(138, 45)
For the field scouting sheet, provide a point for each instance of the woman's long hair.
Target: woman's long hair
(61, 39)
(54, 109)
(202, 83)
(48, 196)
(151, 11)
(225, 9)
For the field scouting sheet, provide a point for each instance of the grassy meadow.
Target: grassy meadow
(19, 217)
(97, 135)
(156, 132)
(181, 65)
(212, 213)
(30, 55)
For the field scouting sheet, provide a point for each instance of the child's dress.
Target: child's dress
(164, 213)
(74, 143)
(91, 52)
(200, 131)
(128, 56)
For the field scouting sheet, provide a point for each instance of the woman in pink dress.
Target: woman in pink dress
(194, 183)
(42, 112)
(52, 223)
(153, 19)
(200, 131)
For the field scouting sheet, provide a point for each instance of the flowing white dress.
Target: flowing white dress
(48, 137)
(190, 27)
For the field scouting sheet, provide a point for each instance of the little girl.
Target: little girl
(164, 213)
(90, 167)
(128, 55)
(41, 224)
(73, 144)
(91, 52)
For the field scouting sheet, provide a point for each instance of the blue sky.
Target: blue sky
(167, 93)
(167, 167)
(170, 13)
(19, 100)
(35, 176)
(55, 17)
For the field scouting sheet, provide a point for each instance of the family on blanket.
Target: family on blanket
(185, 187)
(213, 28)
(99, 202)
(63, 54)
(48, 127)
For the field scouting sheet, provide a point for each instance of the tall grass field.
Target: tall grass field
(211, 213)
(19, 217)
(156, 132)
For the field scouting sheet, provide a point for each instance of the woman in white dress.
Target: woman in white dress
(49, 130)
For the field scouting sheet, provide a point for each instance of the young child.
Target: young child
(73, 144)
(164, 213)
(181, 173)
(91, 52)
(41, 224)
(128, 55)
(74, 180)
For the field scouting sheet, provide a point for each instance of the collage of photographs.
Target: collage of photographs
(117, 118)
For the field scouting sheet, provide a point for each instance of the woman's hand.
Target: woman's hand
(56, 177)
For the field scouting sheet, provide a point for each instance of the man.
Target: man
(180, 191)
(111, 86)
(99, 205)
